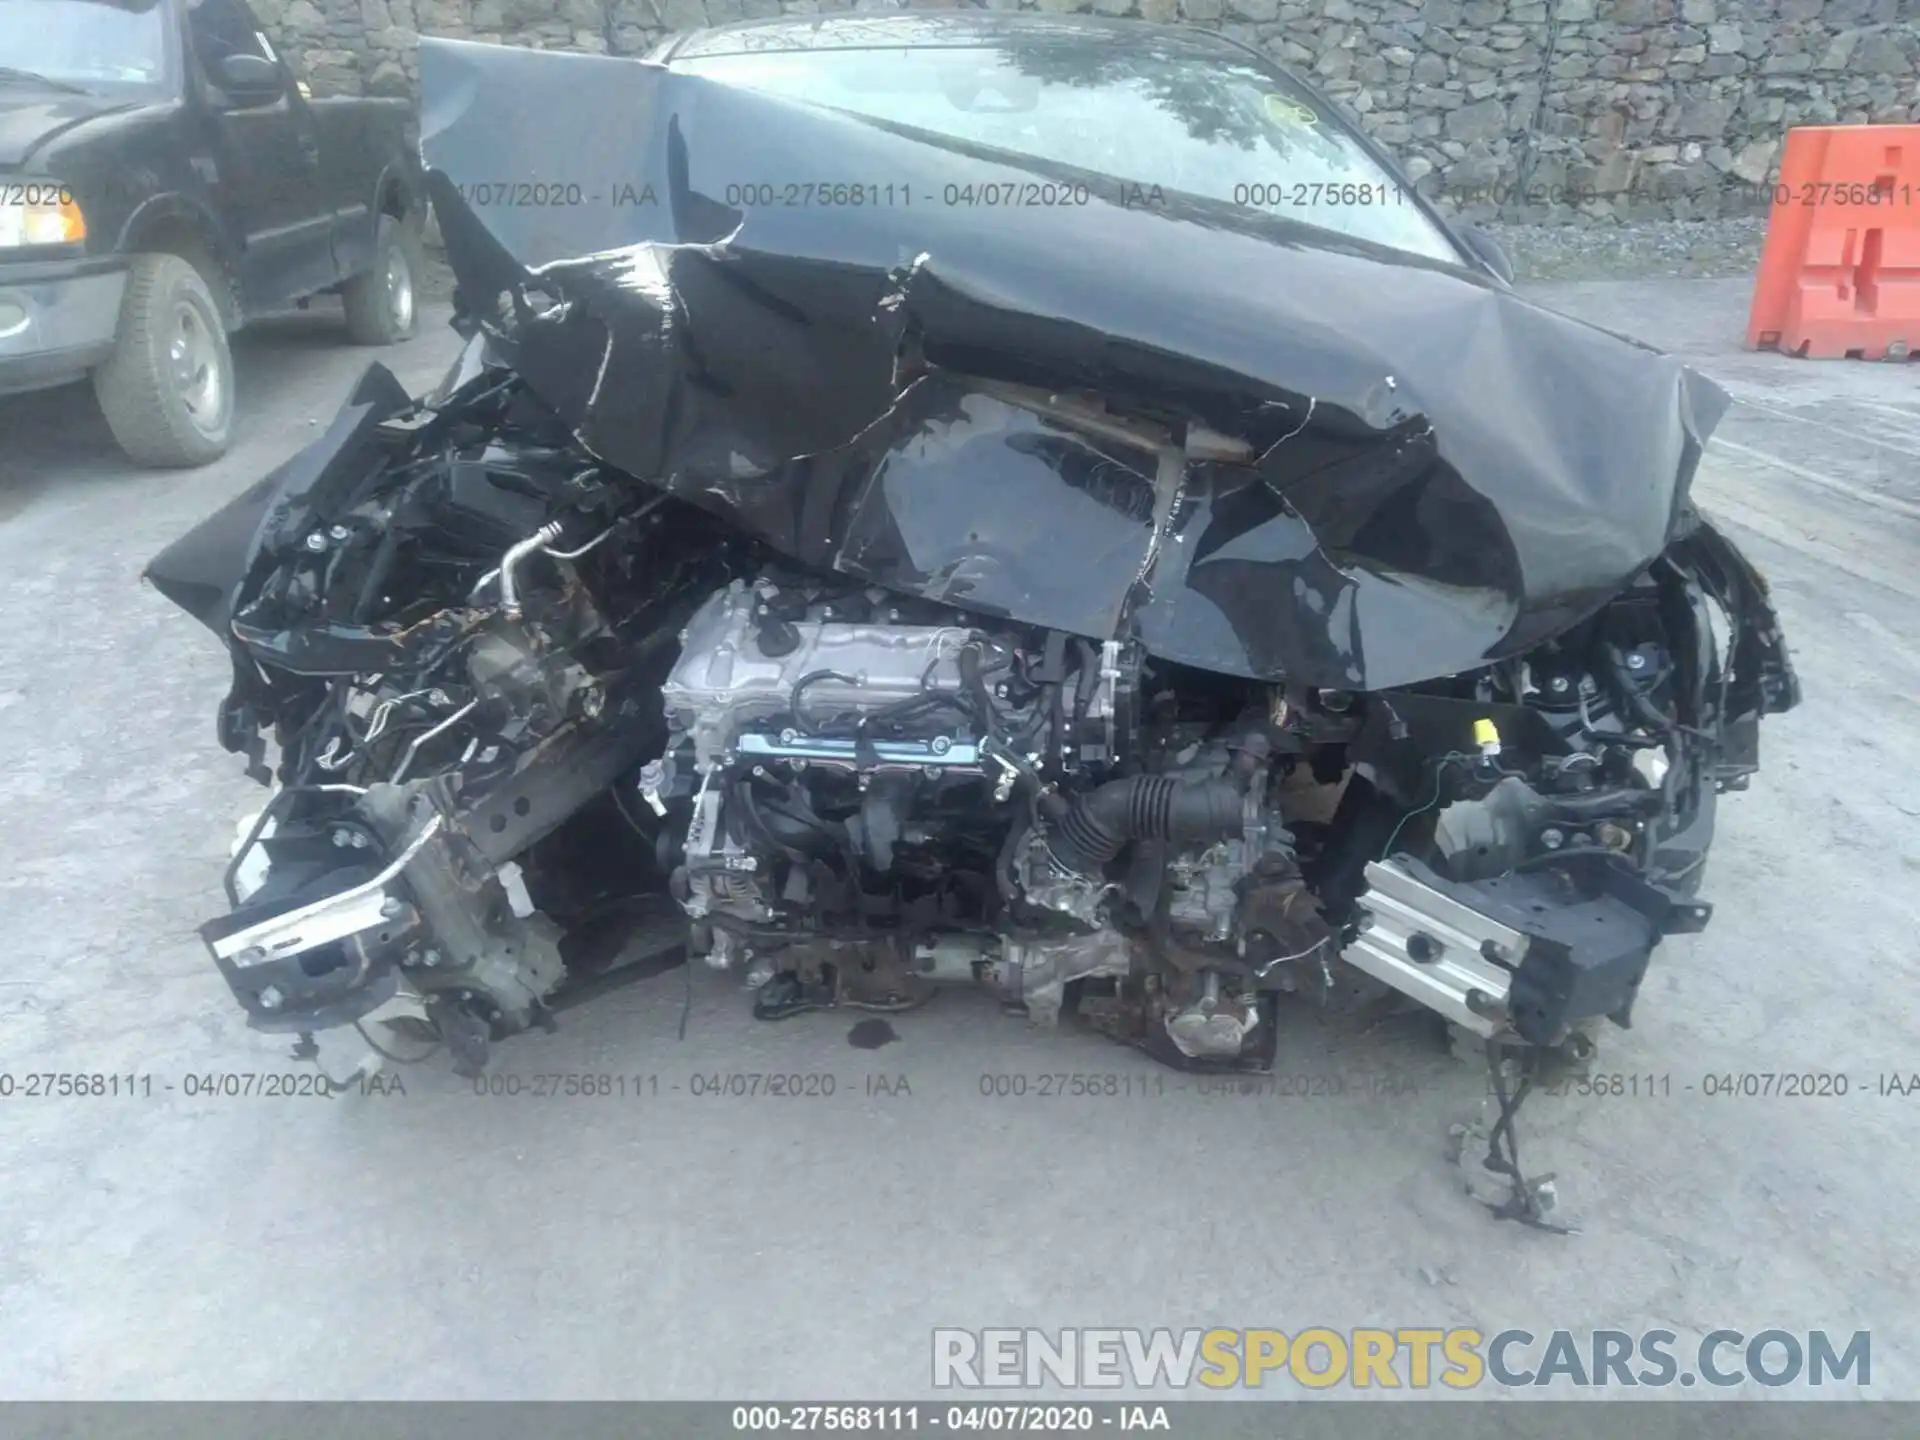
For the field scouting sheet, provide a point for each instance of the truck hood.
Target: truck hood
(1393, 469)
(31, 118)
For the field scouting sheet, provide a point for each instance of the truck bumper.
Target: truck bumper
(57, 321)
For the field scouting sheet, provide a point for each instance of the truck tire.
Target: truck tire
(167, 388)
(380, 301)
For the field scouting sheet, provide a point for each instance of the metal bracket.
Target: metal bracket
(361, 907)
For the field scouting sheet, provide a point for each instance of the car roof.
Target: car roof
(947, 29)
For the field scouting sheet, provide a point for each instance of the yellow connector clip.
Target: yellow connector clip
(1487, 736)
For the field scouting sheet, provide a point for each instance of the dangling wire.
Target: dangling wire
(1439, 778)
(1523, 1204)
(381, 1050)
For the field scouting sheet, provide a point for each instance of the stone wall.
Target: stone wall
(1530, 109)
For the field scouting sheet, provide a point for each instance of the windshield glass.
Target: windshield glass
(81, 44)
(1227, 131)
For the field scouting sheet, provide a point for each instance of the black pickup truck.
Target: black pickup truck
(163, 178)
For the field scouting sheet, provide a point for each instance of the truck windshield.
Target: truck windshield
(1215, 128)
(85, 45)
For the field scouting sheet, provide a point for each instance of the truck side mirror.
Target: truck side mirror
(248, 80)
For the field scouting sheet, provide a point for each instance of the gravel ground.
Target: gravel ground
(437, 283)
(1643, 250)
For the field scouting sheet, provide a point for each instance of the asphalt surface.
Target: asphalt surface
(437, 1243)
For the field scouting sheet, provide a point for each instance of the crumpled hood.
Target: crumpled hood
(1387, 469)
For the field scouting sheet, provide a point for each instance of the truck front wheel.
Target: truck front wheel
(380, 300)
(167, 388)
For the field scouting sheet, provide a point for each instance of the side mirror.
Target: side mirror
(1490, 251)
(248, 79)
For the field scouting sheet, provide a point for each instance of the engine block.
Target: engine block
(743, 663)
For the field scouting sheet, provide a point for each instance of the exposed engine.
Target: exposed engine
(538, 729)
(882, 794)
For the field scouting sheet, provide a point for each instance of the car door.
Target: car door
(358, 140)
(266, 160)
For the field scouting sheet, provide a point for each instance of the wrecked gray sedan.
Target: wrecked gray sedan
(1008, 500)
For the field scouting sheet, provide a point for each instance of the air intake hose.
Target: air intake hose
(1087, 831)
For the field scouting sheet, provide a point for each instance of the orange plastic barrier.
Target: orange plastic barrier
(1840, 272)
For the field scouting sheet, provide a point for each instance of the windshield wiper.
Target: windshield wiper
(9, 72)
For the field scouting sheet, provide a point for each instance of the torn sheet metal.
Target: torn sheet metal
(1439, 473)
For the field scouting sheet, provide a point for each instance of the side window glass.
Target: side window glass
(220, 28)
